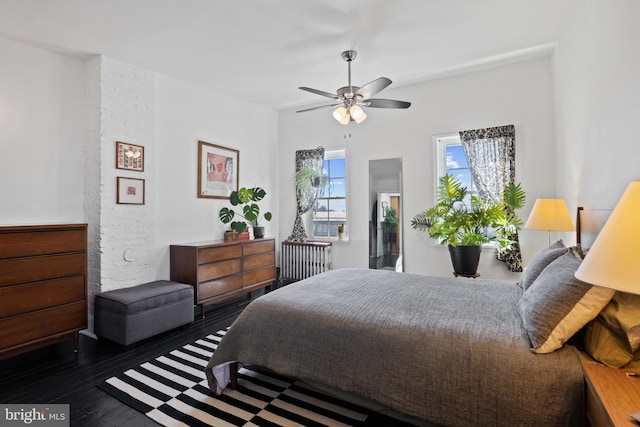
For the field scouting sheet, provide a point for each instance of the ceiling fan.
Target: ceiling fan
(351, 98)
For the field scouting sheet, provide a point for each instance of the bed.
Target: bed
(452, 351)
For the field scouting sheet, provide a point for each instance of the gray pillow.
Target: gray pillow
(557, 305)
(540, 261)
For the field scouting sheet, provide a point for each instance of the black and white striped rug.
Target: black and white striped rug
(172, 390)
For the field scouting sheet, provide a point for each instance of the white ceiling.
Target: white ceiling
(263, 50)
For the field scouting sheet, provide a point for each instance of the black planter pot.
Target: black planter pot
(258, 232)
(465, 259)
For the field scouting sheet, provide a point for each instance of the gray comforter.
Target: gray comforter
(451, 351)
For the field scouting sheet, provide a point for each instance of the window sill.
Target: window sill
(333, 241)
(485, 248)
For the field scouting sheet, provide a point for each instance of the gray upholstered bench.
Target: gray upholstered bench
(132, 314)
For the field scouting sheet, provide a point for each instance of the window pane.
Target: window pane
(330, 209)
(336, 167)
(337, 188)
(464, 176)
(456, 159)
(321, 209)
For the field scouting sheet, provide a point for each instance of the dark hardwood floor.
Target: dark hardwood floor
(56, 374)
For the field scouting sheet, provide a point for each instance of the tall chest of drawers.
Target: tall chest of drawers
(219, 270)
(43, 286)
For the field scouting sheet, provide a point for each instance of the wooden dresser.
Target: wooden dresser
(218, 270)
(43, 286)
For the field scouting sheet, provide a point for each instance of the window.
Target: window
(330, 209)
(453, 161)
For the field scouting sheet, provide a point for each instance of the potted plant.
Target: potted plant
(464, 223)
(310, 180)
(391, 224)
(247, 199)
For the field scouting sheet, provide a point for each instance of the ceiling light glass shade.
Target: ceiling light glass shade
(357, 113)
(550, 215)
(341, 115)
(612, 260)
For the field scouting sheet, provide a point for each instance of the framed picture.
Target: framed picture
(217, 171)
(129, 156)
(130, 191)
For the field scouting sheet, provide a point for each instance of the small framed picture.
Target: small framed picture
(129, 156)
(130, 191)
(217, 171)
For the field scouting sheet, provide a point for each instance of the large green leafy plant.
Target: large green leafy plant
(246, 199)
(458, 220)
(390, 218)
(310, 181)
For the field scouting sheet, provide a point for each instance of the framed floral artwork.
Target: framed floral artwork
(130, 191)
(129, 156)
(217, 171)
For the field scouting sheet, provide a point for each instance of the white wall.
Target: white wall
(54, 109)
(518, 94)
(598, 103)
(185, 115)
(41, 136)
(596, 80)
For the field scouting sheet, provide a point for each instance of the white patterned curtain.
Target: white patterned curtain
(491, 154)
(304, 202)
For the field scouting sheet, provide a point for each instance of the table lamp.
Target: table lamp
(550, 215)
(612, 260)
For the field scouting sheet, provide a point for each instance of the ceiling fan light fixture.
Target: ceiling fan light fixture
(357, 113)
(341, 115)
(352, 98)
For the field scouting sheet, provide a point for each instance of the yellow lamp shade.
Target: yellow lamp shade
(550, 215)
(614, 258)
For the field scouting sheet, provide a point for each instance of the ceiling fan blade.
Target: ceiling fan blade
(318, 107)
(386, 103)
(319, 92)
(373, 87)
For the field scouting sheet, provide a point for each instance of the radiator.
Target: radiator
(300, 260)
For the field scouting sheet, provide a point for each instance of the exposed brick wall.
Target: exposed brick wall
(120, 107)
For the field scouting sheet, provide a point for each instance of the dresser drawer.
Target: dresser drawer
(257, 276)
(215, 270)
(42, 324)
(31, 243)
(39, 295)
(34, 269)
(219, 253)
(258, 247)
(254, 262)
(217, 287)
